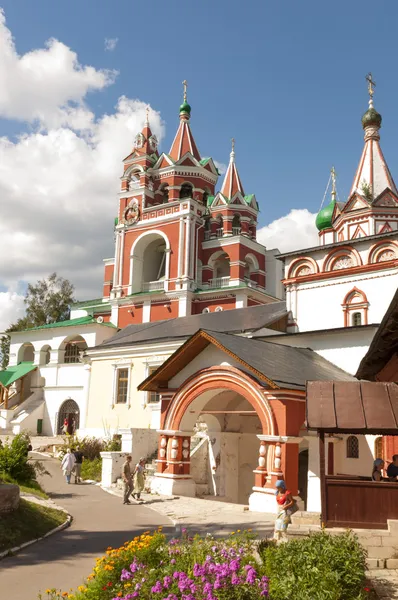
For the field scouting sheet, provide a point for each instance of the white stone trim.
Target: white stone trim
(281, 439)
(121, 364)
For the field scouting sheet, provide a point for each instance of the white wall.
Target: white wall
(344, 348)
(319, 305)
(209, 357)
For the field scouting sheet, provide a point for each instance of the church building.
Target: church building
(219, 397)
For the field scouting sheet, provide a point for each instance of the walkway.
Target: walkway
(209, 516)
(66, 558)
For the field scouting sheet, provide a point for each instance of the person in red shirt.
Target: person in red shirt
(285, 504)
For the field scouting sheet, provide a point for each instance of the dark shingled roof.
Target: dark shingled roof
(274, 364)
(384, 344)
(237, 320)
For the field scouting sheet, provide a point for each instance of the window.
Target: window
(352, 447)
(186, 191)
(122, 386)
(356, 319)
(152, 397)
(72, 353)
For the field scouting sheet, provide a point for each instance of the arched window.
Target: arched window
(355, 308)
(378, 447)
(356, 319)
(220, 227)
(72, 353)
(186, 191)
(236, 228)
(73, 348)
(352, 447)
(165, 193)
(134, 181)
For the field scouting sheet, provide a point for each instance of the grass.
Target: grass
(92, 469)
(28, 522)
(29, 487)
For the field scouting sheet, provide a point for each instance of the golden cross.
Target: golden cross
(333, 173)
(147, 113)
(185, 84)
(233, 144)
(371, 84)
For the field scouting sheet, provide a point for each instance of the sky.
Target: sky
(285, 79)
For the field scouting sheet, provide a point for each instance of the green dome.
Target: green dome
(185, 108)
(325, 216)
(371, 117)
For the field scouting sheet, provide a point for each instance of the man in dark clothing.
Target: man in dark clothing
(392, 469)
(78, 464)
(127, 477)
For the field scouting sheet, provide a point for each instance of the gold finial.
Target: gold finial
(185, 84)
(371, 86)
(147, 113)
(233, 144)
(333, 175)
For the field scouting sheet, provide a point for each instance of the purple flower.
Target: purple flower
(173, 561)
(184, 530)
(157, 588)
(234, 565)
(251, 576)
(125, 575)
(167, 581)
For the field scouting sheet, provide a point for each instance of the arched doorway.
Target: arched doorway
(231, 426)
(69, 417)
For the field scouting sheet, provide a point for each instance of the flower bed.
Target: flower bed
(231, 569)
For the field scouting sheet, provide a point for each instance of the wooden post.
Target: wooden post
(321, 435)
(6, 399)
(330, 457)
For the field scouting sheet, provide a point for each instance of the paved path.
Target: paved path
(66, 558)
(385, 583)
(203, 516)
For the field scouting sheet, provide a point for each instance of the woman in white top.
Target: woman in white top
(67, 464)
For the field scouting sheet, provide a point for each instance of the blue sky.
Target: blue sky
(286, 79)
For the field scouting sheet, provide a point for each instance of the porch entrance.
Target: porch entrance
(226, 447)
(68, 418)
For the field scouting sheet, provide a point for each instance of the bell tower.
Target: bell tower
(180, 247)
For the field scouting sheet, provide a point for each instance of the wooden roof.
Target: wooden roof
(352, 407)
(384, 344)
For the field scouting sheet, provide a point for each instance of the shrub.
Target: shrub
(186, 568)
(92, 446)
(14, 459)
(321, 567)
(92, 469)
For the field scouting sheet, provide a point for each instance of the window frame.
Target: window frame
(353, 318)
(150, 366)
(115, 393)
(350, 451)
(122, 382)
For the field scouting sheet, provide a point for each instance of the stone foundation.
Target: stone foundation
(9, 497)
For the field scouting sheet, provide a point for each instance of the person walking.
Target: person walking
(285, 503)
(127, 480)
(67, 464)
(78, 454)
(139, 479)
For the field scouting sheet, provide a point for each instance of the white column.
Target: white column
(121, 258)
(117, 256)
(181, 247)
(314, 482)
(86, 388)
(146, 311)
(187, 246)
(192, 250)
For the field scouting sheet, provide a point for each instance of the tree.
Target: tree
(46, 302)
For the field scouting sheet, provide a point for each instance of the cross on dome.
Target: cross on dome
(371, 86)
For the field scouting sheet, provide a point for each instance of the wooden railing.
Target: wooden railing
(360, 503)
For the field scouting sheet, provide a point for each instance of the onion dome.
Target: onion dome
(185, 108)
(324, 218)
(371, 118)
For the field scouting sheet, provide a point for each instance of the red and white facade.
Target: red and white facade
(351, 277)
(181, 248)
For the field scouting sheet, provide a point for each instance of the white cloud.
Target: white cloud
(111, 43)
(47, 85)
(58, 185)
(11, 308)
(292, 232)
(222, 167)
